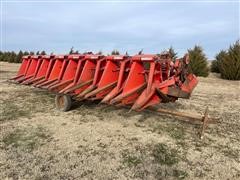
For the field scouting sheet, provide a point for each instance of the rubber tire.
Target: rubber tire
(67, 102)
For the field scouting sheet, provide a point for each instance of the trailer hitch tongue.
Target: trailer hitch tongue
(203, 121)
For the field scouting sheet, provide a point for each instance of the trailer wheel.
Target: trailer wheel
(63, 102)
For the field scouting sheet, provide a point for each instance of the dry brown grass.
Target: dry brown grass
(104, 142)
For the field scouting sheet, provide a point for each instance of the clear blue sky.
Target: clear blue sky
(126, 26)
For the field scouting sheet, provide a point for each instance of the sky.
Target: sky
(124, 25)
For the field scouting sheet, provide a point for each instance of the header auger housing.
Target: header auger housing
(139, 81)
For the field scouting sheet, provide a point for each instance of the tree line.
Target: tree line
(227, 62)
(12, 57)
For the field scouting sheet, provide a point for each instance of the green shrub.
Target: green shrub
(19, 56)
(227, 63)
(13, 57)
(172, 53)
(230, 63)
(216, 64)
(198, 61)
(115, 52)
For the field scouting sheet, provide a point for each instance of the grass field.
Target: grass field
(104, 142)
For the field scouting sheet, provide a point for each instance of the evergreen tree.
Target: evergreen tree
(230, 63)
(172, 53)
(43, 53)
(38, 53)
(198, 61)
(12, 57)
(216, 64)
(1, 56)
(19, 57)
(115, 52)
(31, 53)
(25, 53)
(99, 53)
(6, 56)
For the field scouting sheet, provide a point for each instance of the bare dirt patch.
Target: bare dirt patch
(104, 142)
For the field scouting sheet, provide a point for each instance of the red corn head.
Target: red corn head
(124, 68)
(26, 60)
(72, 86)
(135, 82)
(51, 63)
(31, 69)
(39, 72)
(84, 76)
(108, 79)
(140, 81)
(161, 87)
(54, 72)
(42, 71)
(155, 75)
(69, 73)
